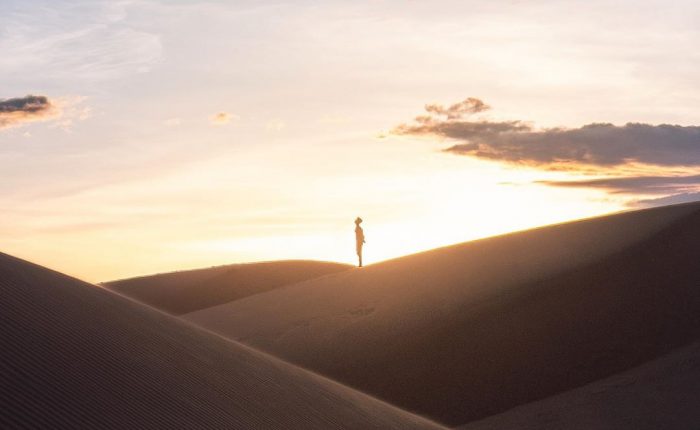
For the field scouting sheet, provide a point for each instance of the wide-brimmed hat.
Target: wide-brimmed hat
(358, 220)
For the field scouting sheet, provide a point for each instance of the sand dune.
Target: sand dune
(190, 290)
(77, 356)
(468, 331)
(661, 394)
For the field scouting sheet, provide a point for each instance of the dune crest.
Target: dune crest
(190, 290)
(468, 331)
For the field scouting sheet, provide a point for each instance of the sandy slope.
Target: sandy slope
(661, 394)
(468, 331)
(77, 356)
(190, 290)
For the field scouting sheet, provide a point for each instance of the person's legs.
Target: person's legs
(359, 255)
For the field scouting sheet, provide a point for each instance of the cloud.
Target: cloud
(222, 118)
(275, 125)
(467, 106)
(599, 148)
(72, 109)
(516, 141)
(668, 200)
(172, 122)
(20, 110)
(674, 189)
(634, 184)
(64, 41)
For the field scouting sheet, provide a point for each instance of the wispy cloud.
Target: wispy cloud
(458, 110)
(668, 200)
(673, 188)
(172, 122)
(72, 110)
(43, 38)
(634, 184)
(19, 110)
(275, 125)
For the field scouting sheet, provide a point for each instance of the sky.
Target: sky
(146, 136)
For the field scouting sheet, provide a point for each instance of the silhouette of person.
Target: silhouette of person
(359, 239)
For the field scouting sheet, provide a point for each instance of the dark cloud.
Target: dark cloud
(675, 189)
(635, 184)
(604, 145)
(25, 109)
(668, 200)
(471, 131)
(594, 147)
(467, 106)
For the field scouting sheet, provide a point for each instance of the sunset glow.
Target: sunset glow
(183, 134)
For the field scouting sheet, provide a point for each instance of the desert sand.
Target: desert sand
(78, 356)
(660, 394)
(588, 324)
(191, 290)
(472, 330)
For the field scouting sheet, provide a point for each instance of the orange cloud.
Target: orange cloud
(222, 118)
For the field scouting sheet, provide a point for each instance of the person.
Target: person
(359, 239)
